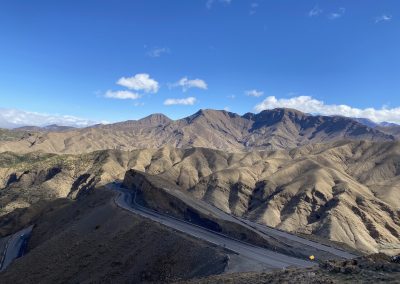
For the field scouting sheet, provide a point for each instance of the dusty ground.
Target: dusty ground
(90, 240)
(370, 269)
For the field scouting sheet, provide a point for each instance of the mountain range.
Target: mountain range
(328, 178)
(216, 129)
(345, 191)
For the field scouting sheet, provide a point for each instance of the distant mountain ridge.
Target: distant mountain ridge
(270, 129)
(386, 127)
(371, 123)
(47, 128)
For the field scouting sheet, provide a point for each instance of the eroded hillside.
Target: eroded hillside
(345, 191)
(93, 241)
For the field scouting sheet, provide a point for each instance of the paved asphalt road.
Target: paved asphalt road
(283, 236)
(271, 231)
(15, 247)
(270, 259)
(263, 229)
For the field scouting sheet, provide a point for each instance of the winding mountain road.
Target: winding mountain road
(290, 239)
(269, 259)
(278, 233)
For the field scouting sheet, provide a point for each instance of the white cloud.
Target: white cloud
(122, 95)
(185, 101)
(186, 84)
(138, 104)
(139, 82)
(253, 8)
(383, 18)
(227, 108)
(310, 105)
(254, 93)
(316, 11)
(210, 3)
(158, 51)
(11, 118)
(232, 97)
(337, 15)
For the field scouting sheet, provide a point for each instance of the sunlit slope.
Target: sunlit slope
(345, 191)
(267, 130)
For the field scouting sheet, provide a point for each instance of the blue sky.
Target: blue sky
(175, 57)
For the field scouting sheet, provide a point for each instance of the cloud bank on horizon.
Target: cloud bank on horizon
(12, 118)
(310, 105)
(238, 54)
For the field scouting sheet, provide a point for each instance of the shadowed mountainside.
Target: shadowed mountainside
(93, 241)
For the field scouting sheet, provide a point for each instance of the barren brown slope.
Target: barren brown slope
(347, 191)
(7, 135)
(270, 129)
(344, 191)
(93, 241)
(30, 178)
(376, 268)
(390, 129)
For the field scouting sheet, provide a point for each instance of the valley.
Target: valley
(201, 141)
(263, 209)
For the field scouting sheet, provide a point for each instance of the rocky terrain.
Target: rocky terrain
(333, 179)
(90, 240)
(377, 268)
(392, 129)
(7, 135)
(27, 179)
(344, 191)
(269, 129)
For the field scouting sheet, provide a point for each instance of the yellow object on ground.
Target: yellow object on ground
(312, 257)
